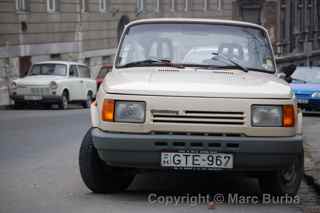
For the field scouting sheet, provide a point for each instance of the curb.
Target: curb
(310, 180)
(309, 168)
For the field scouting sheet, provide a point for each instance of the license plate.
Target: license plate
(303, 101)
(32, 97)
(196, 160)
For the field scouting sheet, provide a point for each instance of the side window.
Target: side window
(73, 71)
(84, 72)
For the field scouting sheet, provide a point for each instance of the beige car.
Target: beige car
(225, 110)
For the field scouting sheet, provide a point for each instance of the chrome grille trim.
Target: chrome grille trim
(200, 117)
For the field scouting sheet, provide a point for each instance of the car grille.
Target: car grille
(199, 117)
(39, 91)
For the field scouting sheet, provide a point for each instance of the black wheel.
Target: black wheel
(99, 177)
(87, 103)
(284, 182)
(64, 102)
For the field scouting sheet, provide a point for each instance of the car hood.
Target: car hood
(305, 88)
(196, 83)
(37, 80)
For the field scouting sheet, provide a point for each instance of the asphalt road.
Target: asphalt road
(39, 173)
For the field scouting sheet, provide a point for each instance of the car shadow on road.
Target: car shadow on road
(188, 185)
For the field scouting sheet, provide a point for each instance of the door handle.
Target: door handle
(81, 81)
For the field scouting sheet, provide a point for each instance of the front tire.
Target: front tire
(99, 177)
(284, 182)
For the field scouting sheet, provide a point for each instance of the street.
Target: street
(39, 172)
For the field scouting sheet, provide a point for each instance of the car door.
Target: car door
(76, 84)
(88, 83)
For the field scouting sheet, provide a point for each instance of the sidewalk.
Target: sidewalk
(312, 153)
(4, 94)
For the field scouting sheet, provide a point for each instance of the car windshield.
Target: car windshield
(306, 75)
(49, 69)
(195, 44)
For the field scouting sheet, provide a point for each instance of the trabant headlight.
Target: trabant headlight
(316, 95)
(53, 85)
(123, 111)
(272, 116)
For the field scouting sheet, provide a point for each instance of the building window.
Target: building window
(301, 15)
(87, 61)
(140, 6)
(53, 5)
(56, 56)
(283, 21)
(22, 5)
(186, 5)
(219, 4)
(205, 5)
(157, 9)
(106, 59)
(84, 6)
(104, 5)
(173, 5)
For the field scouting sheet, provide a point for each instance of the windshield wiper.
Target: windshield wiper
(222, 56)
(260, 70)
(151, 61)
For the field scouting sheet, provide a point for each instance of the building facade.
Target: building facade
(293, 25)
(82, 30)
(89, 30)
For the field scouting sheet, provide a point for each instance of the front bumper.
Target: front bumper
(45, 99)
(142, 151)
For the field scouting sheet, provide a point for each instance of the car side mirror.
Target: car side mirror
(286, 72)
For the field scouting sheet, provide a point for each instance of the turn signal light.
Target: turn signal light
(288, 118)
(108, 110)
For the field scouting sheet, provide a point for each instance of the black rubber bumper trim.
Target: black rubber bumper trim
(144, 150)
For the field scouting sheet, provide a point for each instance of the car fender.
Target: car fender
(94, 115)
(299, 123)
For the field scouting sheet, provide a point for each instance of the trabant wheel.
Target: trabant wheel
(97, 176)
(64, 103)
(88, 101)
(284, 182)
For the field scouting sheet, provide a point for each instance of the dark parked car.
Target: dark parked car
(104, 70)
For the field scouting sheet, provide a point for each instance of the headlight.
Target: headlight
(53, 85)
(273, 116)
(316, 95)
(130, 111)
(266, 116)
(123, 111)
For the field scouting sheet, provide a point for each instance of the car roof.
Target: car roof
(196, 20)
(61, 62)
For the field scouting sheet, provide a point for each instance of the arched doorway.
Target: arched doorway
(124, 20)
